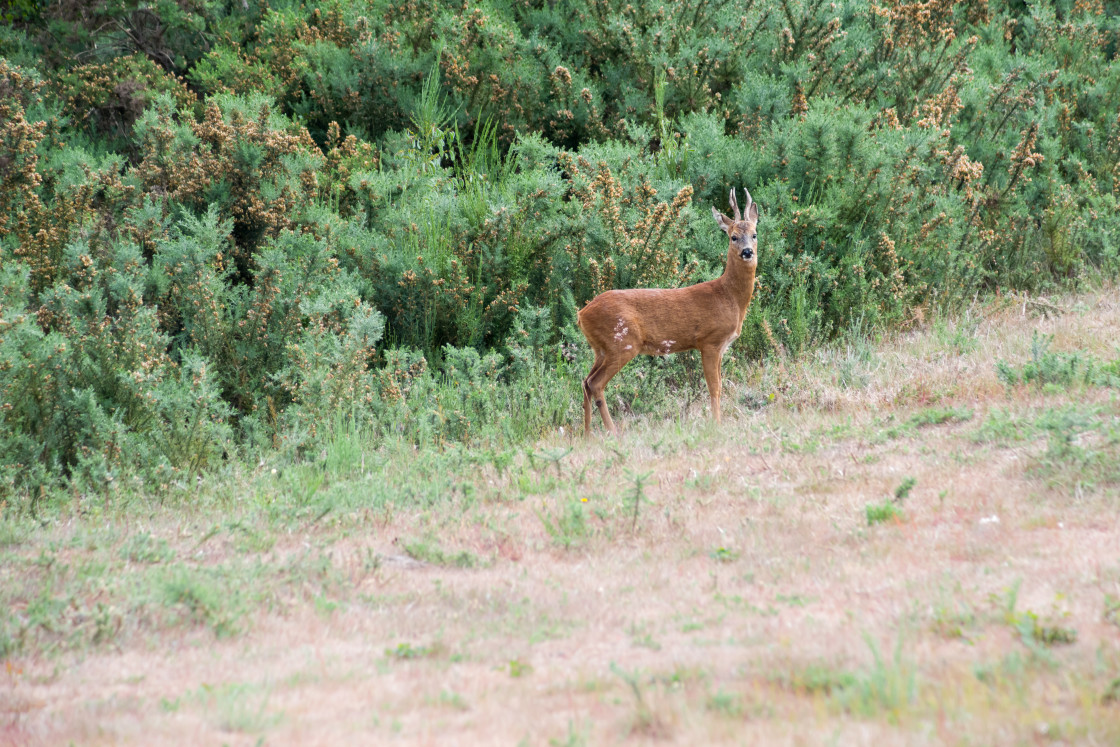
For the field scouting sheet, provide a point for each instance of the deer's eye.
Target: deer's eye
(754, 235)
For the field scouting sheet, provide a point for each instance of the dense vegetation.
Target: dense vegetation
(226, 226)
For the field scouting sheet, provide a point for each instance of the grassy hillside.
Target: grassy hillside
(235, 229)
(909, 540)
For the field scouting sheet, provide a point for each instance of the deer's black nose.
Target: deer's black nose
(746, 254)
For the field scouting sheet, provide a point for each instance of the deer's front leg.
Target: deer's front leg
(712, 359)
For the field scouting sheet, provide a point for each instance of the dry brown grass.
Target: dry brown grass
(750, 601)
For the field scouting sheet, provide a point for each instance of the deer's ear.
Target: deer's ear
(752, 213)
(723, 221)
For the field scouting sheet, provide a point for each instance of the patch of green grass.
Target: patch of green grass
(818, 679)
(641, 636)
(14, 532)
(406, 651)
(1112, 610)
(855, 363)
(1034, 630)
(1082, 448)
(568, 526)
(236, 707)
(519, 669)
(647, 721)
(1004, 426)
(1029, 626)
(144, 548)
(931, 416)
(705, 482)
(723, 555)
(1047, 368)
(939, 416)
(741, 603)
(637, 494)
(1011, 668)
(960, 336)
(10, 630)
(877, 513)
(429, 551)
(204, 597)
(247, 539)
(951, 614)
(888, 685)
(1082, 443)
(451, 699)
(794, 600)
(573, 737)
(725, 704)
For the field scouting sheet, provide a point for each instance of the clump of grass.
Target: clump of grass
(406, 651)
(519, 668)
(888, 685)
(573, 738)
(890, 509)
(877, 513)
(1112, 610)
(723, 555)
(961, 337)
(143, 548)
(1049, 368)
(1029, 625)
(638, 494)
(940, 415)
(238, 707)
(204, 600)
(1082, 448)
(725, 704)
(1034, 629)
(1111, 694)
(428, 551)
(818, 679)
(647, 720)
(568, 527)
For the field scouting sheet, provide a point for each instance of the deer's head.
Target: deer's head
(742, 231)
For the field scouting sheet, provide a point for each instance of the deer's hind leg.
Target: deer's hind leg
(587, 398)
(597, 380)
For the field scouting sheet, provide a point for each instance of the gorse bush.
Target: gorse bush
(226, 226)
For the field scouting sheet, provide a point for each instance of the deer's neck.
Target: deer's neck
(738, 279)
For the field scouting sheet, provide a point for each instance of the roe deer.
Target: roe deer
(620, 324)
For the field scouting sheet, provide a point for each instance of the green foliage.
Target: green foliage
(406, 651)
(939, 415)
(883, 511)
(888, 685)
(903, 490)
(223, 224)
(430, 552)
(204, 599)
(1049, 368)
(723, 555)
(143, 548)
(567, 527)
